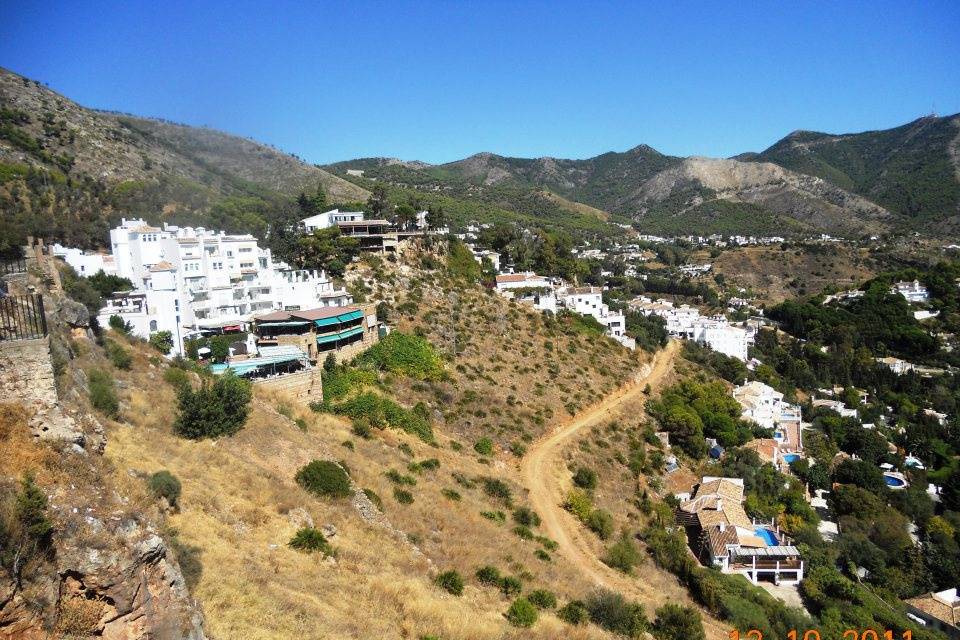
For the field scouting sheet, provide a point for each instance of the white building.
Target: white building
(330, 218)
(191, 281)
(836, 405)
(86, 263)
(588, 301)
(912, 291)
(897, 365)
(687, 323)
(765, 406)
(480, 254)
(530, 288)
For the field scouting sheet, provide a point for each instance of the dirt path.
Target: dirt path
(547, 479)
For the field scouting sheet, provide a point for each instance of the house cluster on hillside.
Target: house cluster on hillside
(940, 611)
(722, 535)
(375, 235)
(765, 406)
(687, 323)
(196, 282)
(545, 295)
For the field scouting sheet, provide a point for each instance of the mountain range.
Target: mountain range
(69, 172)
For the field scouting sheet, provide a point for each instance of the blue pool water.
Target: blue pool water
(791, 457)
(893, 481)
(768, 536)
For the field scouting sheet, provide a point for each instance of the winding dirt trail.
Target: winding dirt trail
(547, 478)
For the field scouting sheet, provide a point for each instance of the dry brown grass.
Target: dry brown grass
(20, 452)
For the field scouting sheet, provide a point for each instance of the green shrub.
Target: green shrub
(601, 523)
(398, 478)
(164, 484)
(521, 613)
(102, 396)
(676, 622)
(526, 516)
(497, 516)
(585, 478)
(405, 354)
(213, 410)
(484, 446)
(451, 582)
(523, 532)
(402, 496)
(450, 494)
(542, 555)
(614, 613)
(497, 489)
(324, 478)
(176, 378)
(162, 341)
(488, 575)
(119, 356)
(624, 555)
(374, 498)
(510, 586)
(377, 411)
(574, 612)
(579, 504)
(118, 324)
(542, 599)
(309, 540)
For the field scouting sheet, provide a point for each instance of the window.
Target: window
(153, 325)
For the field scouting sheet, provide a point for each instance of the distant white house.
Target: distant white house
(530, 288)
(589, 301)
(480, 254)
(330, 218)
(912, 291)
(86, 263)
(897, 365)
(687, 323)
(836, 405)
(765, 406)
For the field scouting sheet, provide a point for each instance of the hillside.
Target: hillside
(67, 172)
(912, 170)
(660, 194)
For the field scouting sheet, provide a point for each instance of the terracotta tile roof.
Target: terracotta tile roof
(162, 266)
(518, 277)
(718, 540)
(935, 607)
(766, 448)
(723, 487)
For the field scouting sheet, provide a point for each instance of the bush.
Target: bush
(119, 356)
(118, 324)
(374, 498)
(451, 582)
(526, 517)
(324, 478)
(510, 586)
(579, 504)
(176, 378)
(451, 494)
(601, 523)
(574, 612)
(213, 410)
(484, 446)
(488, 575)
(164, 484)
(162, 341)
(675, 622)
(309, 540)
(102, 396)
(585, 478)
(613, 612)
(402, 496)
(406, 355)
(522, 614)
(523, 532)
(497, 489)
(542, 599)
(624, 555)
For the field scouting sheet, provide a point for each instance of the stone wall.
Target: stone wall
(302, 385)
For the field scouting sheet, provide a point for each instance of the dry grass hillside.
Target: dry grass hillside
(774, 274)
(115, 148)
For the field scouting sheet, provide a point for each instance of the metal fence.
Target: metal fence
(22, 317)
(10, 266)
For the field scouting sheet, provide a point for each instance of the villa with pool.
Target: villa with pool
(722, 535)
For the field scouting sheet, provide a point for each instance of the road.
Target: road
(548, 480)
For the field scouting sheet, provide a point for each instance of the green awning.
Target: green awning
(340, 335)
(241, 367)
(343, 317)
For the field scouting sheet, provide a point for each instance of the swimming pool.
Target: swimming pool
(768, 536)
(791, 458)
(894, 481)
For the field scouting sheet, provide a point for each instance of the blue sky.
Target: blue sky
(438, 81)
